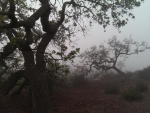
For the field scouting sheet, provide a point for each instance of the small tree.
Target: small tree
(105, 58)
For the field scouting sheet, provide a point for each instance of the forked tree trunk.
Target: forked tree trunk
(41, 100)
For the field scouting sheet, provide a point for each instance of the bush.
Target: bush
(141, 86)
(144, 74)
(111, 89)
(132, 95)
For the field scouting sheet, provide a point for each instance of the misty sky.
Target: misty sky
(139, 28)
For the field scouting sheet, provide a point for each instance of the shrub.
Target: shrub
(144, 74)
(132, 95)
(111, 89)
(141, 86)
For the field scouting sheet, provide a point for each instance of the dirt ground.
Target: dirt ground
(88, 98)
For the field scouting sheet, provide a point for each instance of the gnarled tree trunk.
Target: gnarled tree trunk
(121, 72)
(41, 100)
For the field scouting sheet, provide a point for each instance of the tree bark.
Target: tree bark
(11, 82)
(120, 72)
(41, 100)
(17, 90)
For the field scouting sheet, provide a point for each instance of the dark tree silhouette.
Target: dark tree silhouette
(105, 58)
(28, 31)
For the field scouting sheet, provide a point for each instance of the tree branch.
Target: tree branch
(18, 89)
(44, 2)
(63, 12)
(29, 35)
(39, 13)
(18, 24)
(40, 62)
(44, 21)
(12, 12)
(30, 22)
(5, 13)
(8, 49)
(12, 80)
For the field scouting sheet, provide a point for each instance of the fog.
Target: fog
(50, 90)
(137, 28)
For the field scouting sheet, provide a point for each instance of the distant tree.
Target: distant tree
(120, 64)
(105, 57)
(59, 20)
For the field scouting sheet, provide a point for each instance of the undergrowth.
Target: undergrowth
(132, 94)
(111, 89)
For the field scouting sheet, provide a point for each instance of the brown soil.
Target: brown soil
(88, 98)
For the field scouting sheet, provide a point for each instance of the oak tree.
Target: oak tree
(105, 57)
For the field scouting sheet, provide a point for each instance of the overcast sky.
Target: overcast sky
(139, 28)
